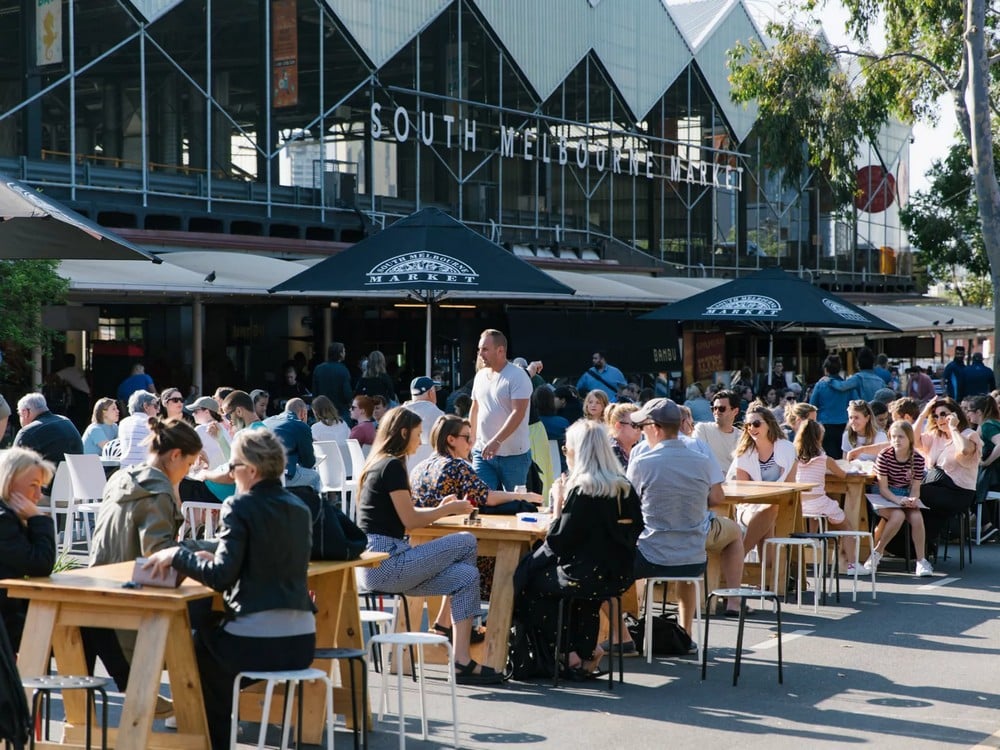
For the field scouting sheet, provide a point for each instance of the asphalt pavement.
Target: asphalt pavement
(914, 668)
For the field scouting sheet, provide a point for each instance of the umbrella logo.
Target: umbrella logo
(845, 312)
(747, 305)
(422, 267)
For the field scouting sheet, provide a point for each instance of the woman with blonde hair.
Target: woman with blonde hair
(27, 537)
(589, 549)
(795, 415)
(625, 434)
(762, 455)
(861, 433)
(444, 566)
(103, 426)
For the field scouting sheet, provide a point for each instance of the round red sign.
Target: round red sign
(876, 189)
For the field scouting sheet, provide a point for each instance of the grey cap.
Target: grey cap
(659, 410)
(520, 362)
(205, 402)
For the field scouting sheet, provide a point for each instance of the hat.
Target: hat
(960, 349)
(257, 393)
(521, 362)
(422, 384)
(205, 402)
(977, 357)
(885, 395)
(660, 410)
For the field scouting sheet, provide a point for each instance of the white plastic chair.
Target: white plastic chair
(555, 457)
(357, 463)
(199, 515)
(292, 679)
(60, 499)
(332, 474)
(88, 479)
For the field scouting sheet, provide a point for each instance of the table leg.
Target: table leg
(33, 657)
(68, 649)
(144, 681)
(509, 554)
(185, 682)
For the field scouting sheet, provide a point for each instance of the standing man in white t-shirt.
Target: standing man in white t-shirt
(501, 393)
(721, 435)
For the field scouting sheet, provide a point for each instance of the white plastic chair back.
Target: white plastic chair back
(197, 516)
(330, 465)
(87, 474)
(555, 456)
(62, 489)
(357, 457)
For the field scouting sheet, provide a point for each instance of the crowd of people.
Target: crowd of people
(636, 493)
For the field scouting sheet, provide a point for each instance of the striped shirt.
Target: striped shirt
(900, 475)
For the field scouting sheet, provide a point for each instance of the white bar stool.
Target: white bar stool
(650, 587)
(857, 536)
(399, 641)
(800, 544)
(292, 679)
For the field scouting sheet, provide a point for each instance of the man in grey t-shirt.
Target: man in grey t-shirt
(501, 393)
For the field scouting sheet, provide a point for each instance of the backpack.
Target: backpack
(334, 535)
(528, 655)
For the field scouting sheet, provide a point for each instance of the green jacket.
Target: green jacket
(138, 516)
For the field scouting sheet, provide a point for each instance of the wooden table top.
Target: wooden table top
(106, 581)
(737, 491)
(492, 527)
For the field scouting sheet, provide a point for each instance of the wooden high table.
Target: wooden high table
(786, 495)
(501, 537)
(93, 597)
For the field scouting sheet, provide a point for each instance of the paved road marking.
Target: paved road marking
(990, 743)
(935, 584)
(785, 638)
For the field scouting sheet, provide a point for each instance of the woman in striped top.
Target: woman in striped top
(900, 469)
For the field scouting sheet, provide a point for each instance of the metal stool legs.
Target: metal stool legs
(42, 688)
(743, 595)
(615, 612)
(353, 655)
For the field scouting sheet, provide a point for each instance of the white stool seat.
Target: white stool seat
(399, 641)
(778, 542)
(648, 637)
(857, 536)
(291, 678)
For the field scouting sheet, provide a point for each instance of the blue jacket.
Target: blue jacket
(866, 382)
(830, 403)
(296, 436)
(977, 379)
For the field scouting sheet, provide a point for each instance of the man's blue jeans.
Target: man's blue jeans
(502, 472)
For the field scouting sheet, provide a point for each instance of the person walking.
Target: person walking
(977, 378)
(333, 380)
(953, 376)
(831, 406)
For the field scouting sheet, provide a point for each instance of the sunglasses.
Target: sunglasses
(175, 400)
(234, 465)
(942, 415)
(720, 408)
(755, 423)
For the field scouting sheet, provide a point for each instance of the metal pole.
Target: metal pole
(197, 324)
(427, 334)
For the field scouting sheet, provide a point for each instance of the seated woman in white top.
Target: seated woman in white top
(762, 455)
(861, 433)
(328, 425)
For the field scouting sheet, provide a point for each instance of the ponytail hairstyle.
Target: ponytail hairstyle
(809, 441)
(166, 435)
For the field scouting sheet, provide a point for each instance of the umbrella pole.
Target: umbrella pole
(770, 357)
(427, 337)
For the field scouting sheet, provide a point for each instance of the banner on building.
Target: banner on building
(48, 32)
(284, 54)
(709, 355)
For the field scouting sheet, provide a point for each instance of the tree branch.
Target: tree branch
(938, 70)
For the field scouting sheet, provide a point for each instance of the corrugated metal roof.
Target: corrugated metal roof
(153, 9)
(697, 19)
(383, 28)
(637, 42)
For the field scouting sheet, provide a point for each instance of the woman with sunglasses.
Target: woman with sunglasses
(762, 455)
(952, 451)
(862, 438)
(172, 404)
(444, 566)
(625, 434)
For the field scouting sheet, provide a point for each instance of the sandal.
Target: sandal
(465, 674)
(477, 635)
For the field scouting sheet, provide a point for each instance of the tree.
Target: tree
(944, 228)
(25, 287)
(805, 96)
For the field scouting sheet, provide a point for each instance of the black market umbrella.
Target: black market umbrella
(35, 226)
(771, 300)
(426, 256)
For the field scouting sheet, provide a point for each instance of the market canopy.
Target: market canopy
(426, 256)
(35, 226)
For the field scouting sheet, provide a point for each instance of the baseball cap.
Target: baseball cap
(659, 410)
(422, 385)
(521, 362)
(205, 402)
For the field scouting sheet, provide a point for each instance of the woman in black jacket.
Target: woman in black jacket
(261, 564)
(27, 537)
(590, 547)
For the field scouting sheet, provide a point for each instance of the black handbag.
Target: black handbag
(528, 655)
(509, 508)
(334, 535)
(669, 637)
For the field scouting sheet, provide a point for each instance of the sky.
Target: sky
(930, 143)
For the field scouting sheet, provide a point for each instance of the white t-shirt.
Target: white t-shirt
(845, 444)
(428, 416)
(494, 394)
(338, 431)
(722, 444)
(213, 445)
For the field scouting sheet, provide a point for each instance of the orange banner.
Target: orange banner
(284, 54)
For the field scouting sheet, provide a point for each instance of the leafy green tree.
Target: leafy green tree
(25, 287)
(943, 223)
(804, 95)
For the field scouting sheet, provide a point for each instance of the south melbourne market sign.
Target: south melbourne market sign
(584, 152)
(423, 266)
